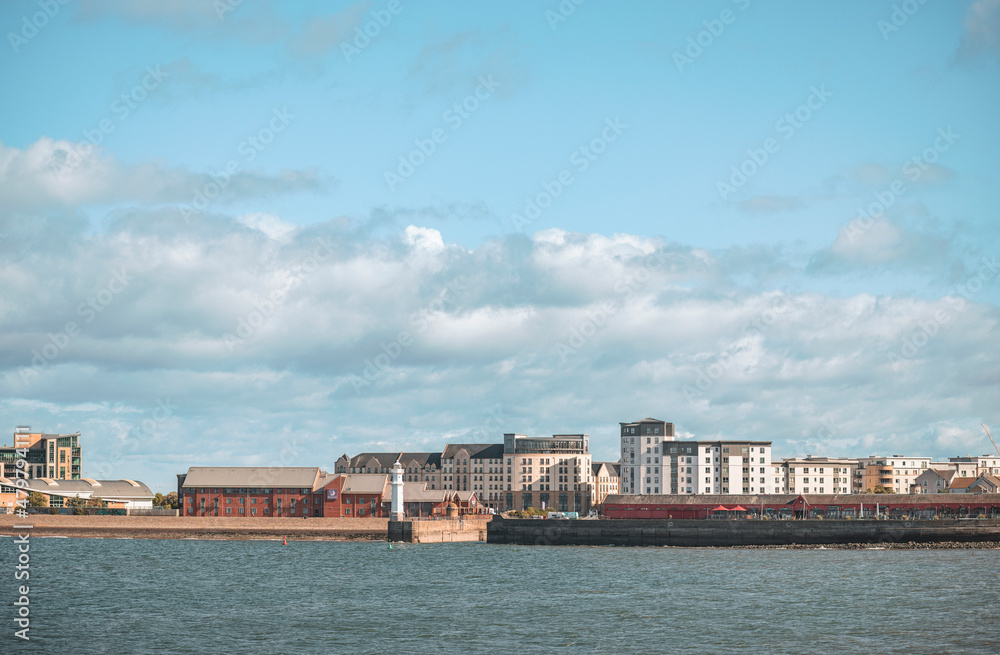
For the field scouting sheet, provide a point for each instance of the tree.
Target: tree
(170, 500)
(36, 499)
(158, 499)
(879, 489)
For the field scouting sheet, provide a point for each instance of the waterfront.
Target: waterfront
(188, 596)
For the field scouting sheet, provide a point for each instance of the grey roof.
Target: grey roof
(252, 476)
(364, 483)
(100, 488)
(420, 460)
(613, 468)
(472, 448)
(493, 451)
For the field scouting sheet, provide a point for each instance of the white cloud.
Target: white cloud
(469, 329)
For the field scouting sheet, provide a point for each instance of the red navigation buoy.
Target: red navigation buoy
(284, 542)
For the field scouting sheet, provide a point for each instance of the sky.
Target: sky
(248, 233)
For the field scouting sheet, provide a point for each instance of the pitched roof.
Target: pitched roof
(986, 481)
(364, 483)
(376, 460)
(252, 476)
(961, 483)
(472, 448)
(491, 451)
(420, 460)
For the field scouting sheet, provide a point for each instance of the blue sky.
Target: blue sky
(387, 184)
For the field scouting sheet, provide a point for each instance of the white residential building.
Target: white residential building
(652, 462)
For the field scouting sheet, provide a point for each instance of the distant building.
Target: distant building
(935, 480)
(605, 479)
(121, 494)
(550, 472)
(54, 456)
(306, 492)
(984, 464)
(897, 474)
(459, 467)
(652, 462)
(817, 475)
(985, 484)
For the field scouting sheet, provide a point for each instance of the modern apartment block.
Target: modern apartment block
(641, 455)
(817, 475)
(652, 462)
(552, 472)
(896, 474)
(53, 456)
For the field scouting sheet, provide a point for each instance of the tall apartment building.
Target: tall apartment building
(817, 475)
(641, 443)
(652, 462)
(897, 473)
(54, 456)
(551, 472)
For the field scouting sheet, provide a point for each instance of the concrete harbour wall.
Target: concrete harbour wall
(694, 533)
(196, 527)
(423, 531)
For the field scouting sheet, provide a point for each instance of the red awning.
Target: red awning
(738, 509)
(720, 508)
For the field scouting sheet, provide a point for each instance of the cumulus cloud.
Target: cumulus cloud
(252, 329)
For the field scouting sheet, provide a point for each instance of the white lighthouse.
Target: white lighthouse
(396, 512)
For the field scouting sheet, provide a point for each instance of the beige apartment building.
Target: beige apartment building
(551, 472)
(605, 477)
(816, 475)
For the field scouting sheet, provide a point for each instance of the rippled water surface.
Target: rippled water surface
(184, 596)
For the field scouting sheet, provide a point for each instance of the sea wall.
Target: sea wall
(423, 531)
(196, 527)
(655, 532)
